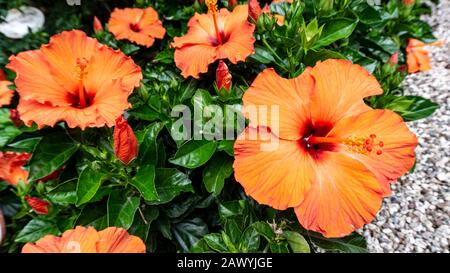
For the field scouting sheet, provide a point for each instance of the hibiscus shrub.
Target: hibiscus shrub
(91, 137)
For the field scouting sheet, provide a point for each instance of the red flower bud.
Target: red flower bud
(125, 142)
(3, 75)
(52, 176)
(97, 25)
(223, 76)
(393, 60)
(15, 117)
(232, 3)
(409, 2)
(254, 9)
(38, 205)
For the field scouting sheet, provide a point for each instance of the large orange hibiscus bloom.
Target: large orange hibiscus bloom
(88, 240)
(11, 167)
(417, 56)
(73, 79)
(214, 36)
(141, 26)
(322, 151)
(6, 94)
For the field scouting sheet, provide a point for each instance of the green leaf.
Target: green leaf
(189, 232)
(169, 184)
(297, 242)
(25, 145)
(321, 55)
(335, 30)
(35, 230)
(279, 247)
(262, 55)
(50, 154)
(144, 181)
(215, 242)
(265, 230)
(147, 140)
(7, 128)
(354, 243)
(217, 170)
(144, 112)
(88, 184)
(95, 215)
(250, 240)
(64, 193)
(412, 107)
(227, 146)
(121, 209)
(142, 223)
(194, 153)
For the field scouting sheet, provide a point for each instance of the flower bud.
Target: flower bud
(97, 25)
(3, 75)
(15, 117)
(38, 205)
(125, 142)
(232, 3)
(393, 60)
(254, 10)
(409, 2)
(223, 77)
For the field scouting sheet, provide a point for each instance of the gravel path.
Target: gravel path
(417, 216)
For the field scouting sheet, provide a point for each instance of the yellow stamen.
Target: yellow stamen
(356, 144)
(81, 72)
(212, 7)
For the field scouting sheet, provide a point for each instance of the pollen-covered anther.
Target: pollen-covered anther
(81, 67)
(212, 5)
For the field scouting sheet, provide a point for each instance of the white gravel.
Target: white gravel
(417, 216)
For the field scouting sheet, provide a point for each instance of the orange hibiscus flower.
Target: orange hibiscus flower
(417, 56)
(74, 79)
(214, 36)
(11, 167)
(323, 151)
(6, 94)
(88, 240)
(141, 26)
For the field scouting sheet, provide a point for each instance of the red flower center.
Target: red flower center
(135, 27)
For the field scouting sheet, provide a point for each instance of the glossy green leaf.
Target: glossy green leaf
(189, 232)
(169, 184)
(297, 242)
(95, 215)
(36, 229)
(194, 153)
(147, 139)
(250, 240)
(121, 209)
(354, 243)
(25, 145)
(65, 193)
(7, 128)
(321, 55)
(412, 107)
(262, 55)
(51, 153)
(335, 30)
(216, 171)
(144, 181)
(215, 242)
(89, 182)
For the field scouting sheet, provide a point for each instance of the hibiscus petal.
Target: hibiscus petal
(194, 59)
(34, 79)
(397, 155)
(117, 240)
(273, 171)
(340, 89)
(286, 101)
(344, 196)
